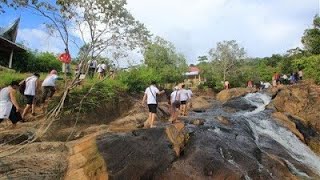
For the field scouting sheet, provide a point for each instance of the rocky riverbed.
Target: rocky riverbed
(241, 134)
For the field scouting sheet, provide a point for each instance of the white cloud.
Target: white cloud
(38, 38)
(262, 27)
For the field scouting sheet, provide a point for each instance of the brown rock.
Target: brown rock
(177, 136)
(223, 120)
(197, 122)
(201, 102)
(84, 161)
(314, 144)
(226, 95)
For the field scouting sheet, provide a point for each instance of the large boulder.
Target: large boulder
(239, 104)
(301, 104)
(228, 94)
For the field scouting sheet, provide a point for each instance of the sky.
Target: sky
(262, 27)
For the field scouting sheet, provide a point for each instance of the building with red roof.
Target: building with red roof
(193, 76)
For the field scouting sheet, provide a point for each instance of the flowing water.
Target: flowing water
(256, 131)
(262, 125)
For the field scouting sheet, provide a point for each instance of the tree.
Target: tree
(107, 26)
(311, 37)
(161, 56)
(225, 57)
(202, 59)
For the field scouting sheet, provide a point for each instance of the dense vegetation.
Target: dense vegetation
(228, 61)
(33, 61)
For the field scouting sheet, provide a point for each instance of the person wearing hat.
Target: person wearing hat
(9, 107)
(49, 86)
(31, 84)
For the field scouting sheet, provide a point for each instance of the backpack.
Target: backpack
(22, 87)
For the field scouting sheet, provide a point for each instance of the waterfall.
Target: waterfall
(262, 124)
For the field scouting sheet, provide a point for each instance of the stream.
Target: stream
(256, 134)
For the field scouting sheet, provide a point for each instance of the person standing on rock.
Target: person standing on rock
(9, 107)
(150, 95)
(184, 97)
(300, 74)
(175, 104)
(189, 103)
(226, 85)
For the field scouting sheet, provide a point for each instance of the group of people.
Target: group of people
(293, 78)
(95, 67)
(9, 106)
(180, 101)
(277, 79)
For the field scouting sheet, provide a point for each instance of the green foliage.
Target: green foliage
(36, 62)
(161, 56)
(101, 93)
(138, 79)
(6, 77)
(311, 37)
(310, 66)
(225, 58)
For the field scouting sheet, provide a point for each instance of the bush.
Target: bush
(7, 77)
(139, 78)
(35, 62)
(310, 66)
(101, 93)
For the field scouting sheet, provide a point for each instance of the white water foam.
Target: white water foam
(262, 125)
(259, 100)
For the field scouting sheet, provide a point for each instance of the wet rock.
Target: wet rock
(199, 110)
(283, 120)
(239, 104)
(142, 154)
(303, 107)
(226, 95)
(224, 120)
(198, 122)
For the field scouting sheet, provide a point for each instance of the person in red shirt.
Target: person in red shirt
(65, 58)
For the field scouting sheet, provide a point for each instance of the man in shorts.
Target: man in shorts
(175, 104)
(30, 93)
(184, 97)
(150, 95)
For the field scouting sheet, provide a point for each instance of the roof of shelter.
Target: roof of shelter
(194, 69)
(8, 36)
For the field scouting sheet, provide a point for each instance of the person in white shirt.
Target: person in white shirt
(49, 86)
(175, 104)
(92, 67)
(31, 84)
(226, 85)
(189, 103)
(300, 73)
(101, 69)
(150, 95)
(9, 107)
(267, 85)
(184, 97)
